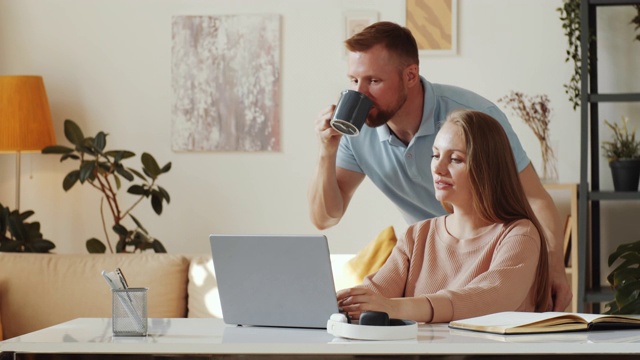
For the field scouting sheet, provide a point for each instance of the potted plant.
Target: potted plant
(625, 280)
(19, 235)
(623, 153)
(103, 170)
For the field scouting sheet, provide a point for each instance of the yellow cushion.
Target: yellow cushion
(372, 256)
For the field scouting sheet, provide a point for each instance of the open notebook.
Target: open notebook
(512, 322)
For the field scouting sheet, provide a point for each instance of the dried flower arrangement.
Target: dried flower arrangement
(536, 113)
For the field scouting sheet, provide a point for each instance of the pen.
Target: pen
(125, 285)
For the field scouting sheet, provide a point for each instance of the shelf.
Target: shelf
(619, 97)
(602, 295)
(614, 195)
(589, 207)
(613, 2)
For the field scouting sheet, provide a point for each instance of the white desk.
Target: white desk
(207, 337)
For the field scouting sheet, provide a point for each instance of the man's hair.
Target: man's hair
(396, 39)
(498, 195)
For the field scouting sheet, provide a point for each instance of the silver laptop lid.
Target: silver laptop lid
(274, 280)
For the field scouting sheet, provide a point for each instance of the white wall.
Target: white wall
(106, 65)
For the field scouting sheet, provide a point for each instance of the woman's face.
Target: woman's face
(449, 166)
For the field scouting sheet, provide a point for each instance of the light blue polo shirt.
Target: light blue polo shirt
(403, 173)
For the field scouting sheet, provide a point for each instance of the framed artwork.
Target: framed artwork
(433, 24)
(225, 77)
(355, 21)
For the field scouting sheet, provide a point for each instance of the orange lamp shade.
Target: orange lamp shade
(25, 117)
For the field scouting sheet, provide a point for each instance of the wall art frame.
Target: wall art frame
(434, 24)
(356, 20)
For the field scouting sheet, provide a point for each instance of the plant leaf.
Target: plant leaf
(166, 168)
(158, 247)
(57, 149)
(124, 173)
(120, 154)
(41, 246)
(137, 190)
(156, 202)
(69, 156)
(120, 230)
(25, 215)
(151, 166)
(11, 246)
(121, 245)
(86, 170)
(139, 224)
(70, 179)
(73, 133)
(95, 246)
(138, 174)
(17, 228)
(622, 249)
(100, 141)
(165, 194)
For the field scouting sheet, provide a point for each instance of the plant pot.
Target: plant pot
(626, 173)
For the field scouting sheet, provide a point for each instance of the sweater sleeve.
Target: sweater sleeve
(505, 286)
(391, 279)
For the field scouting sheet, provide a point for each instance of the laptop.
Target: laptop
(274, 280)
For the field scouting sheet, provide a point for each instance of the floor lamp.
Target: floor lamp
(25, 119)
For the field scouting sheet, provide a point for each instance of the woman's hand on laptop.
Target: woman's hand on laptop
(354, 301)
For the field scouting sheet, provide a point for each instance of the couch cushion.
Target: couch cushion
(40, 290)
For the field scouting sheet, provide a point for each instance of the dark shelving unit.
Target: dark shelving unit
(589, 198)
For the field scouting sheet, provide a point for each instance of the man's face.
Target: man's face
(376, 74)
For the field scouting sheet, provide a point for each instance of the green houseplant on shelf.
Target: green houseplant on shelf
(625, 279)
(19, 235)
(103, 169)
(570, 17)
(623, 153)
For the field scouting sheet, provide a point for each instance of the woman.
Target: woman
(487, 255)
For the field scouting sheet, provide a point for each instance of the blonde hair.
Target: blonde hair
(498, 196)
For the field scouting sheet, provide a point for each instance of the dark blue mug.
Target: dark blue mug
(351, 112)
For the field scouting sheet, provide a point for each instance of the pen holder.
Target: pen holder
(129, 312)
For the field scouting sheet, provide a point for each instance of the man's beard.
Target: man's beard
(383, 116)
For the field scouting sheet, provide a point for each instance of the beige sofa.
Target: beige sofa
(41, 290)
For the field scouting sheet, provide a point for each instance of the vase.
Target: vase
(626, 174)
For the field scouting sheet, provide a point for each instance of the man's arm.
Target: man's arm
(332, 188)
(549, 218)
(330, 192)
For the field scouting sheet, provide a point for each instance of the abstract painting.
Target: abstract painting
(433, 24)
(225, 76)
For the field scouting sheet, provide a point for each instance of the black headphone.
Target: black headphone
(373, 325)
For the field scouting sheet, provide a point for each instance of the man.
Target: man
(394, 150)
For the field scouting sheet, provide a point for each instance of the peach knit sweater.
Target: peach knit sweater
(488, 273)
